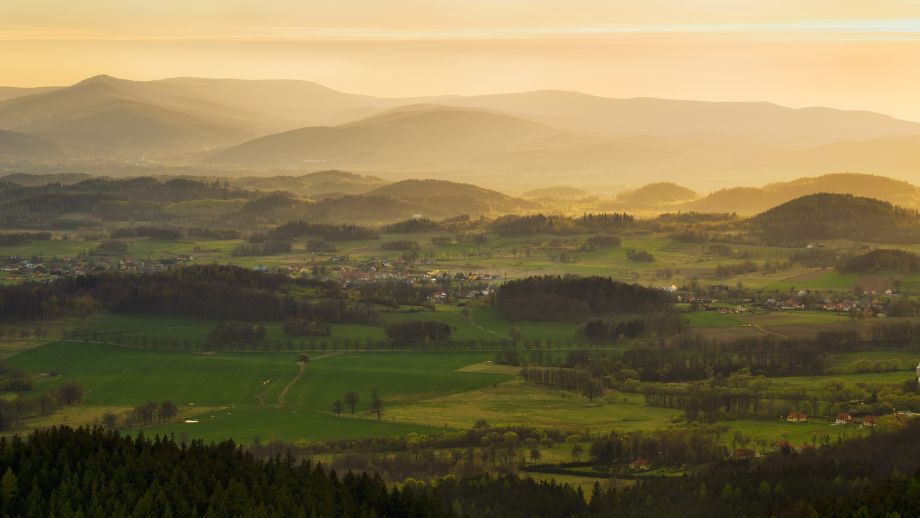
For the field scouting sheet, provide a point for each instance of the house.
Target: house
(843, 418)
(797, 417)
(792, 303)
(743, 453)
(870, 420)
(640, 464)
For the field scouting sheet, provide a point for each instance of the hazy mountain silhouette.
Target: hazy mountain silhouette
(12, 92)
(668, 117)
(19, 146)
(513, 140)
(104, 116)
(749, 200)
(426, 137)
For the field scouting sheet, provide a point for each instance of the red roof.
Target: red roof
(797, 415)
(744, 453)
(843, 416)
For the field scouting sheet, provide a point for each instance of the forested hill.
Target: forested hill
(837, 216)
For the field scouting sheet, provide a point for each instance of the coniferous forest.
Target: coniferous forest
(62, 472)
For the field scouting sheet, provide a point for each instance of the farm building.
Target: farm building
(797, 417)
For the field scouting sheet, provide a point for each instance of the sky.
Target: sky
(839, 53)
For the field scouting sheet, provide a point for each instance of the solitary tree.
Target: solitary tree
(576, 452)
(535, 455)
(377, 406)
(337, 408)
(351, 399)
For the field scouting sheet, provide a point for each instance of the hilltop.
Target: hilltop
(837, 216)
(105, 116)
(655, 194)
(747, 200)
(406, 139)
(312, 185)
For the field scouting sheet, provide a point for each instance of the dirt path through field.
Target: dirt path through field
(283, 394)
(767, 331)
(472, 320)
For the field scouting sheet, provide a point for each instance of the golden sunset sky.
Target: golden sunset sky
(839, 53)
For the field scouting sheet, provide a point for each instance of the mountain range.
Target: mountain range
(502, 141)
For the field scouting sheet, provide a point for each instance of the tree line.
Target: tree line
(572, 298)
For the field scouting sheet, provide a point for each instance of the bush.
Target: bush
(639, 256)
(301, 327)
(418, 332)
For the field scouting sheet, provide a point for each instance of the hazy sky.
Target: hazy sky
(844, 53)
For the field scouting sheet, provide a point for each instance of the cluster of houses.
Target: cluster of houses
(874, 302)
(39, 268)
(843, 418)
(445, 286)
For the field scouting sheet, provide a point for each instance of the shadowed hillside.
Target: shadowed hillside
(837, 216)
(19, 146)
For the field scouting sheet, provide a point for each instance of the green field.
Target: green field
(247, 387)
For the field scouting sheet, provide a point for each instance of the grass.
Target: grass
(712, 319)
(515, 402)
(796, 433)
(247, 387)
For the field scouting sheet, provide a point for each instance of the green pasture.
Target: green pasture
(243, 391)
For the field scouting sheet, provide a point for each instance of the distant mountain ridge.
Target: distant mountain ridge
(671, 117)
(516, 141)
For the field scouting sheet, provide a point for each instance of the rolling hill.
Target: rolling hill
(410, 139)
(291, 104)
(16, 146)
(837, 216)
(517, 141)
(749, 200)
(655, 195)
(32, 180)
(312, 185)
(104, 116)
